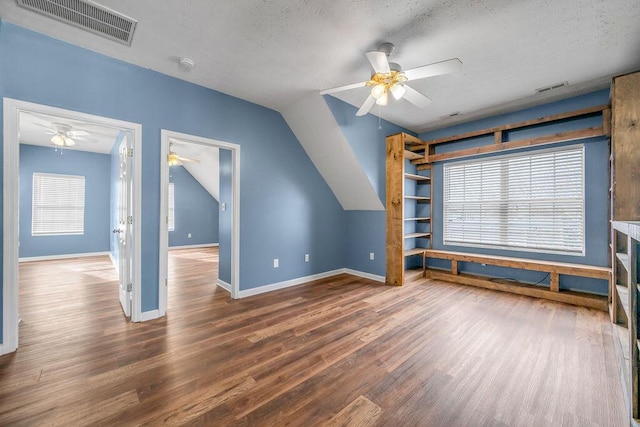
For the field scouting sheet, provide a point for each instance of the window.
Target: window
(170, 215)
(530, 201)
(58, 204)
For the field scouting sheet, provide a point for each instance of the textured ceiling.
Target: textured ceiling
(274, 52)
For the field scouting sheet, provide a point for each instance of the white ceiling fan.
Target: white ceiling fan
(64, 135)
(388, 77)
(174, 159)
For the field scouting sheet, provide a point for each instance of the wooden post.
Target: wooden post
(454, 267)
(555, 282)
(497, 137)
(395, 210)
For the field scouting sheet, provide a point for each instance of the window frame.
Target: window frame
(504, 221)
(39, 205)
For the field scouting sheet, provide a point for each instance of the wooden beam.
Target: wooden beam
(506, 146)
(532, 122)
(412, 140)
(568, 297)
(454, 266)
(395, 209)
(625, 144)
(555, 282)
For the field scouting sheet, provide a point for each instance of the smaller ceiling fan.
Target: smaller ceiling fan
(64, 135)
(174, 159)
(388, 77)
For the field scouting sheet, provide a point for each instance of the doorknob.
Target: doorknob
(116, 231)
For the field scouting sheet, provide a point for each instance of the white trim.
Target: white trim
(11, 110)
(224, 285)
(165, 136)
(301, 281)
(289, 283)
(64, 256)
(149, 315)
(113, 261)
(204, 245)
(369, 276)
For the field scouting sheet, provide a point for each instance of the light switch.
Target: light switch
(223, 206)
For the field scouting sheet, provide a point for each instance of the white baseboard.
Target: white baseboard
(113, 261)
(204, 245)
(64, 256)
(365, 275)
(224, 285)
(288, 283)
(149, 315)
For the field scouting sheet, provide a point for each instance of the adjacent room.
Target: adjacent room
(320, 213)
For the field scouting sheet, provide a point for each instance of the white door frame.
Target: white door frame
(11, 110)
(165, 135)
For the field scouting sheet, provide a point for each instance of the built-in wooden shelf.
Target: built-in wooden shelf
(416, 235)
(624, 259)
(623, 293)
(418, 198)
(414, 251)
(420, 219)
(412, 155)
(419, 178)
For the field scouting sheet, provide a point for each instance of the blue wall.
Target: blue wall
(366, 229)
(596, 191)
(225, 218)
(95, 168)
(195, 211)
(287, 209)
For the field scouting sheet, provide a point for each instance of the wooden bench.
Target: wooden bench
(555, 269)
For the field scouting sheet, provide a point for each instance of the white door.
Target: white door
(124, 229)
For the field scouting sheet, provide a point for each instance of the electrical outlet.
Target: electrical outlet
(371, 256)
(189, 235)
(276, 263)
(306, 257)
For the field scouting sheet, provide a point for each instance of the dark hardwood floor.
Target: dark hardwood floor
(339, 351)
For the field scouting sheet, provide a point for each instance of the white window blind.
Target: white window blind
(171, 208)
(58, 204)
(531, 201)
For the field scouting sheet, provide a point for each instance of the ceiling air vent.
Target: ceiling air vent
(552, 87)
(87, 15)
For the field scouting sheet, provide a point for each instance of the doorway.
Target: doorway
(59, 131)
(167, 139)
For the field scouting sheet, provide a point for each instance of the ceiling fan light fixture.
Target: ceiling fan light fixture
(378, 90)
(58, 140)
(397, 90)
(68, 142)
(383, 99)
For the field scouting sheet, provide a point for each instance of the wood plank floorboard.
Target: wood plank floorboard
(338, 351)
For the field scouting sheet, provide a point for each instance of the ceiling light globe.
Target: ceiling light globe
(398, 90)
(68, 142)
(383, 99)
(378, 90)
(58, 140)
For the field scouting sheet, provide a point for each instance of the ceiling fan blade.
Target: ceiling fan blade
(379, 61)
(50, 129)
(341, 88)
(76, 133)
(368, 103)
(186, 159)
(445, 67)
(415, 97)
